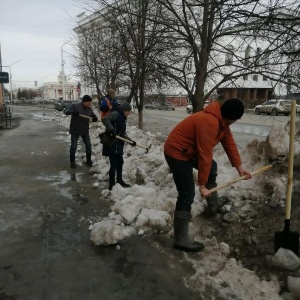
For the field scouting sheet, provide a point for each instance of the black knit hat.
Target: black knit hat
(232, 109)
(126, 106)
(86, 98)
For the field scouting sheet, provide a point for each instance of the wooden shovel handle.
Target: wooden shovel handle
(84, 116)
(221, 186)
(290, 163)
(130, 142)
(124, 140)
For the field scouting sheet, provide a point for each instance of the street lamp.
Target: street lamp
(10, 77)
(62, 69)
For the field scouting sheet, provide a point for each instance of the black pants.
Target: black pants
(184, 181)
(116, 166)
(73, 147)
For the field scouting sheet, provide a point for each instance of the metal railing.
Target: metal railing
(5, 116)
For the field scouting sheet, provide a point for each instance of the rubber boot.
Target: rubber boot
(122, 183)
(89, 161)
(72, 161)
(181, 233)
(214, 202)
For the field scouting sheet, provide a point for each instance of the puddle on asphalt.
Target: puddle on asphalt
(80, 198)
(57, 242)
(62, 177)
(43, 117)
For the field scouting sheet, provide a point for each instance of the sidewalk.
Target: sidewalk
(45, 210)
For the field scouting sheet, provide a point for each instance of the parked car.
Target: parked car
(152, 105)
(274, 107)
(63, 104)
(189, 107)
(167, 106)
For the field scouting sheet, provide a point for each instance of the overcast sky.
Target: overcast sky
(33, 31)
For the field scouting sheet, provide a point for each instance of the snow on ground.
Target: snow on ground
(149, 203)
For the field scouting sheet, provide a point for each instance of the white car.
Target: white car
(274, 107)
(189, 107)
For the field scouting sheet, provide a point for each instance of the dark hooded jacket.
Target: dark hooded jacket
(80, 125)
(115, 121)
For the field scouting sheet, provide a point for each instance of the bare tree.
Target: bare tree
(209, 31)
(100, 56)
(139, 38)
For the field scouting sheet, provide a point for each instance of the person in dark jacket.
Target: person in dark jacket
(190, 145)
(79, 126)
(108, 103)
(115, 124)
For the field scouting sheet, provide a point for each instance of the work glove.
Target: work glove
(112, 133)
(95, 119)
(133, 143)
(75, 113)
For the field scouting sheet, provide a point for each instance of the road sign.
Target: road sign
(4, 77)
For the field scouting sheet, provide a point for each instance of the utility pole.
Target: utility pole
(2, 85)
(62, 69)
(10, 81)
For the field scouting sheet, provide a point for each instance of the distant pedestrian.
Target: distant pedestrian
(190, 145)
(79, 126)
(115, 124)
(108, 103)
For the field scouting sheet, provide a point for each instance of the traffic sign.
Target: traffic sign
(4, 77)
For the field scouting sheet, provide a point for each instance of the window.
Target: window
(247, 56)
(245, 77)
(190, 81)
(229, 55)
(255, 77)
(189, 65)
(257, 57)
(265, 78)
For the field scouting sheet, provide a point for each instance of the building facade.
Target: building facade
(54, 90)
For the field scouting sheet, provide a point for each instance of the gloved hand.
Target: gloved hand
(112, 133)
(133, 143)
(95, 119)
(75, 113)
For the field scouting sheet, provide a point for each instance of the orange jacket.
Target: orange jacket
(195, 137)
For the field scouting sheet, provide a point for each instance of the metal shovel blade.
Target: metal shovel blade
(287, 239)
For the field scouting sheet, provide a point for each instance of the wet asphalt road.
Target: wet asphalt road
(44, 210)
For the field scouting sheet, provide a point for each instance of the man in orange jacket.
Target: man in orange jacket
(190, 145)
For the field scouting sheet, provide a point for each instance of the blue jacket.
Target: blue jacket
(115, 121)
(108, 105)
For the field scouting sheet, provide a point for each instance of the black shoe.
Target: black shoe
(111, 184)
(122, 183)
(89, 163)
(73, 165)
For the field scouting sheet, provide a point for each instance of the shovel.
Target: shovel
(289, 239)
(221, 186)
(130, 142)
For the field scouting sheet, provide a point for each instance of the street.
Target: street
(45, 213)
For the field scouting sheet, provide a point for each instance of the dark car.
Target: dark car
(167, 106)
(63, 104)
(152, 105)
